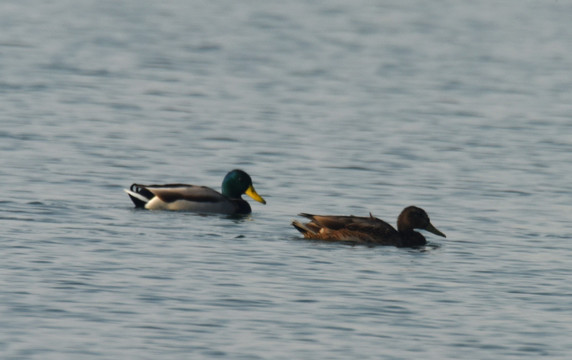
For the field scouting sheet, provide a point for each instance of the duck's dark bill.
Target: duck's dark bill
(433, 229)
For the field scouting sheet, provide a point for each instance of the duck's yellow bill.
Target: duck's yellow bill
(434, 230)
(254, 195)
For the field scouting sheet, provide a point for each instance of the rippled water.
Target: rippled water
(332, 107)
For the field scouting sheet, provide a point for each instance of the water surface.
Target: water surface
(335, 107)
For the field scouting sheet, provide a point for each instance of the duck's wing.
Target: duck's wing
(346, 228)
(180, 197)
(337, 222)
(174, 192)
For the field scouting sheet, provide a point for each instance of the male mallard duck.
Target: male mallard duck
(198, 198)
(369, 230)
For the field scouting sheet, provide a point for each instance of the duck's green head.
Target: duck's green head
(236, 183)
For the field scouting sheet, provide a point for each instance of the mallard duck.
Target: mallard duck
(198, 198)
(369, 230)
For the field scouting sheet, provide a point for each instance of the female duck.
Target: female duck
(369, 230)
(198, 198)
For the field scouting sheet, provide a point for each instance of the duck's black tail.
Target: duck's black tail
(139, 195)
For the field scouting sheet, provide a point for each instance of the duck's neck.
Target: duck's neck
(412, 238)
(242, 207)
(404, 227)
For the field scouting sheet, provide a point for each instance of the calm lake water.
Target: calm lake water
(462, 108)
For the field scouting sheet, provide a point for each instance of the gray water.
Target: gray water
(341, 107)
